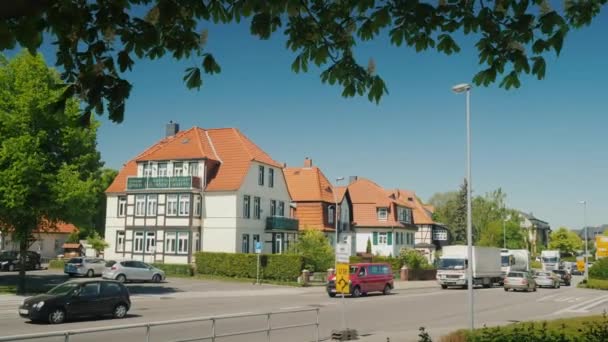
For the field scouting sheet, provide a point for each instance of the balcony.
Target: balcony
(146, 183)
(281, 223)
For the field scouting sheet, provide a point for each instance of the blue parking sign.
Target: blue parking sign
(258, 247)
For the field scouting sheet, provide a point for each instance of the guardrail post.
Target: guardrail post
(67, 337)
(268, 327)
(148, 333)
(213, 330)
(317, 326)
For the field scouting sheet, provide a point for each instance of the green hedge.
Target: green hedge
(175, 269)
(599, 270)
(395, 263)
(56, 263)
(285, 267)
(597, 284)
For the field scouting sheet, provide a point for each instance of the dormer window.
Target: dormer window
(382, 214)
(162, 169)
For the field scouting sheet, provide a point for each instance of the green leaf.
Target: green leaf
(124, 61)
(538, 68)
(210, 65)
(193, 78)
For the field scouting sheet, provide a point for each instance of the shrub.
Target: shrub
(599, 270)
(536, 264)
(597, 284)
(286, 267)
(56, 263)
(395, 263)
(314, 247)
(413, 259)
(368, 248)
(176, 269)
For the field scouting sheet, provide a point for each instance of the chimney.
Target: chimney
(307, 162)
(171, 129)
(352, 179)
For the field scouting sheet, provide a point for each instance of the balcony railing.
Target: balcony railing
(281, 223)
(181, 182)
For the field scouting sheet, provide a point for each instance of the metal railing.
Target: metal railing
(213, 336)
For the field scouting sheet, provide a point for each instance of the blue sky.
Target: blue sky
(543, 143)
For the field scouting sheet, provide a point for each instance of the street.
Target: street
(376, 317)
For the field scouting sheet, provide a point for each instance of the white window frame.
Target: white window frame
(331, 213)
(122, 206)
(170, 242)
(282, 209)
(193, 169)
(151, 205)
(147, 170)
(440, 235)
(246, 206)
(383, 238)
(273, 208)
(163, 169)
(198, 205)
(138, 242)
(150, 242)
(381, 216)
(120, 241)
(270, 177)
(140, 205)
(178, 169)
(261, 175)
(184, 205)
(257, 208)
(183, 238)
(172, 204)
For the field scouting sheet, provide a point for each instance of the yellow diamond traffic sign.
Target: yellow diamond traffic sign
(342, 277)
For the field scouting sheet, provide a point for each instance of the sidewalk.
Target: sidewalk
(418, 284)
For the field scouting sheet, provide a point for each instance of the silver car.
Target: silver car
(83, 266)
(131, 270)
(519, 281)
(547, 279)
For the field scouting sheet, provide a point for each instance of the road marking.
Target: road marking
(292, 308)
(577, 307)
(590, 306)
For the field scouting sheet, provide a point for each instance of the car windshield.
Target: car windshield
(515, 275)
(75, 261)
(504, 260)
(63, 289)
(548, 259)
(451, 264)
(8, 255)
(559, 272)
(543, 274)
(110, 263)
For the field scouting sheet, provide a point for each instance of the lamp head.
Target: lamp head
(461, 88)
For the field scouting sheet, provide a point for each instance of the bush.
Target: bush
(57, 264)
(314, 247)
(395, 263)
(286, 267)
(597, 284)
(599, 270)
(175, 269)
(413, 259)
(536, 264)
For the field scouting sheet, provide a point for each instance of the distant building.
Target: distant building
(538, 232)
(47, 241)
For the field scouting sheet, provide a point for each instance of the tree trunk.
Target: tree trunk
(23, 246)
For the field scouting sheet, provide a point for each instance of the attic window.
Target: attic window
(410, 199)
(296, 173)
(185, 141)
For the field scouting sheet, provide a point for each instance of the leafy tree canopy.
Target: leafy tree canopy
(97, 41)
(565, 240)
(316, 250)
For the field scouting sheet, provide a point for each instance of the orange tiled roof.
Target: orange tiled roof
(366, 196)
(340, 192)
(59, 228)
(230, 150)
(419, 211)
(308, 184)
(71, 245)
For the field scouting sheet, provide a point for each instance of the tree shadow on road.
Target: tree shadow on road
(35, 281)
(73, 322)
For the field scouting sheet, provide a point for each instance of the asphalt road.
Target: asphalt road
(375, 317)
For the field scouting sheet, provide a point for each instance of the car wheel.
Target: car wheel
(11, 268)
(387, 290)
(356, 292)
(444, 287)
(506, 289)
(534, 289)
(57, 316)
(121, 278)
(120, 311)
(38, 266)
(156, 278)
(331, 295)
(559, 285)
(90, 273)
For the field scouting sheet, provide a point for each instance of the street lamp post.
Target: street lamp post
(466, 88)
(584, 203)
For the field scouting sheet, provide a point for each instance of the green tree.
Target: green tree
(459, 225)
(413, 259)
(48, 161)
(316, 250)
(97, 242)
(98, 41)
(368, 248)
(566, 241)
(446, 204)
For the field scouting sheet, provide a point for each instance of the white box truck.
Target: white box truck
(550, 260)
(454, 262)
(514, 260)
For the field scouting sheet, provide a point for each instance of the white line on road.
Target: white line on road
(590, 306)
(292, 308)
(578, 306)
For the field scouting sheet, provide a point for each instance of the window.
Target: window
(246, 206)
(89, 290)
(170, 240)
(404, 215)
(440, 234)
(162, 169)
(245, 244)
(331, 214)
(198, 206)
(193, 169)
(256, 239)
(171, 205)
(382, 239)
(150, 242)
(182, 242)
(140, 205)
(138, 245)
(110, 289)
(178, 169)
(273, 208)
(197, 241)
(122, 206)
(281, 208)
(270, 177)
(382, 214)
(147, 170)
(256, 208)
(261, 176)
(151, 207)
(120, 241)
(184, 205)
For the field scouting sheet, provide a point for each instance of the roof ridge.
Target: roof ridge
(212, 146)
(200, 141)
(240, 137)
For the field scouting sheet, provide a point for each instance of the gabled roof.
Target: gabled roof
(420, 213)
(227, 148)
(308, 184)
(340, 192)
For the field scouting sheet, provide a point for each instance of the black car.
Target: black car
(9, 261)
(78, 299)
(564, 276)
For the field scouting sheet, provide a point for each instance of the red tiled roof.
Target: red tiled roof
(366, 196)
(58, 228)
(308, 184)
(340, 192)
(71, 245)
(420, 213)
(230, 151)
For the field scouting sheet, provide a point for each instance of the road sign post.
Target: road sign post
(342, 275)
(258, 251)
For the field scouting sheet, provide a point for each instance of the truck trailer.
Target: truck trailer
(454, 262)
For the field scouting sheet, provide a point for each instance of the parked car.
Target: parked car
(82, 266)
(9, 261)
(78, 299)
(564, 276)
(131, 270)
(547, 279)
(366, 278)
(519, 281)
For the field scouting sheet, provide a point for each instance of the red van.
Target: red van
(366, 278)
